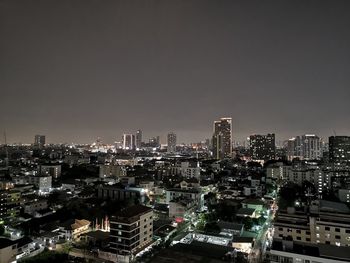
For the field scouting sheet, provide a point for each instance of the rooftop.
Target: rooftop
(133, 211)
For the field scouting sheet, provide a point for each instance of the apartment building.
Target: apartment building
(131, 229)
(324, 223)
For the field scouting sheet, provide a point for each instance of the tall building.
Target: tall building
(39, 141)
(154, 141)
(131, 229)
(222, 138)
(171, 142)
(138, 139)
(339, 149)
(262, 147)
(308, 147)
(128, 141)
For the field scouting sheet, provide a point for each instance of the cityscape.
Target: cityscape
(174, 131)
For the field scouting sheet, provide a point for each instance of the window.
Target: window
(327, 228)
(347, 231)
(280, 229)
(298, 238)
(307, 232)
(337, 237)
(328, 242)
(298, 231)
(119, 233)
(308, 239)
(337, 230)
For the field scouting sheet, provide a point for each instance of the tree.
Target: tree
(2, 230)
(248, 223)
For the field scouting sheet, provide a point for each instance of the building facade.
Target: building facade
(262, 147)
(131, 228)
(222, 138)
(171, 143)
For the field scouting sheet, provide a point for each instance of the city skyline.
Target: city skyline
(166, 67)
(163, 138)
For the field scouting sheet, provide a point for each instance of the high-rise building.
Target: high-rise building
(171, 142)
(222, 138)
(339, 149)
(154, 141)
(138, 139)
(39, 141)
(308, 147)
(131, 229)
(262, 147)
(128, 141)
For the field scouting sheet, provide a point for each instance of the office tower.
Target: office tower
(138, 139)
(262, 147)
(308, 147)
(222, 138)
(128, 141)
(171, 142)
(339, 149)
(39, 141)
(131, 229)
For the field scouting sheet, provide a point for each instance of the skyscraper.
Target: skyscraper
(39, 141)
(171, 142)
(222, 138)
(128, 141)
(339, 149)
(262, 147)
(138, 139)
(308, 147)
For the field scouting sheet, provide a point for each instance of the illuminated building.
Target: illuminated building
(339, 149)
(171, 142)
(308, 147)
(39, 141)
(222, 138)
(262, 147)
(138, 139)
(128, 141)
(131, 229)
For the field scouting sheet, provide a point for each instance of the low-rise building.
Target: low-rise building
(294, 252)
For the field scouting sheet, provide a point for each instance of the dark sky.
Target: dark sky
(78, 69)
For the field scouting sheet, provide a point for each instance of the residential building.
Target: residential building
(131, 229)
(222, 138)
(171, 143)
(9, 205)
(39, 141)
(53, 170)
(262, 147)
(304, 147)
(339, 149)
(138, 136)
(303, 252)
(326, 223)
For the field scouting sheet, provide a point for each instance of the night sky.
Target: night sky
(75, 70)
